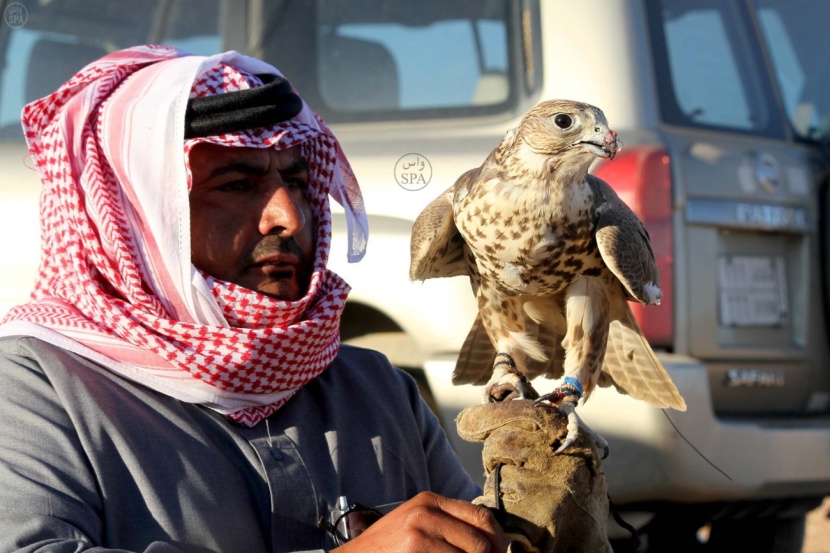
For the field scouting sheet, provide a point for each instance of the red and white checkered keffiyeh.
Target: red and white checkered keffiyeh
(116, 283)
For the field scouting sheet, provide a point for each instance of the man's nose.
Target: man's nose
(281, 214)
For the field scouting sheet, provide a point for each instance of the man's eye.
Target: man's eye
(296, 183)
(235, 186)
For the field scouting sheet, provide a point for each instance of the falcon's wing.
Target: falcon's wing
(475, 360)
(624, 244)
(436, 246)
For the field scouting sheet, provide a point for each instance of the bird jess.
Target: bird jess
(553, 256)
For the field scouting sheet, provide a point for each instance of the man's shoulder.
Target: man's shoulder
(35, 351)
(17, 348)
(356, 354)
(10, 345)
(25, 357)
(368, 367)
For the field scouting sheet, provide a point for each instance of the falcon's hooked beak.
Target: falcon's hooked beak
(603, 143)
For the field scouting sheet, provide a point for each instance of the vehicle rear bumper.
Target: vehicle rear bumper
(651, 461)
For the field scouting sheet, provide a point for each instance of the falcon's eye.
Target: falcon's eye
(562, 120)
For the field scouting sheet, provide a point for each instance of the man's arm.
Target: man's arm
(447, 475)
(48, 494)
(442, 519)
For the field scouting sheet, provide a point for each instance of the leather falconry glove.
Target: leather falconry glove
(546, 503)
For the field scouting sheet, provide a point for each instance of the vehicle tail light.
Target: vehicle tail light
(641, 176)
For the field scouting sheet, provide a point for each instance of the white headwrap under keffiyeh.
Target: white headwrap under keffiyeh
(116, 284)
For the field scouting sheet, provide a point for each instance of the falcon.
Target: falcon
(553, 256)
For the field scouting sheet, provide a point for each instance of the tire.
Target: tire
(756, 535)
(759, 535)
(674, 533)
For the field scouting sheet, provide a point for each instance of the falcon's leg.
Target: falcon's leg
(507, 382)
(502, 318)
(586, 313)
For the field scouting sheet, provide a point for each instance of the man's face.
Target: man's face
(250, 221)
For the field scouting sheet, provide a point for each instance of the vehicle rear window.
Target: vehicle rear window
(798, 42)
(709, 69)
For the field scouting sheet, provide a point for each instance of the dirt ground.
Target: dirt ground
(817, 538)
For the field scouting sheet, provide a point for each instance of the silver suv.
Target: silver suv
(725, 115)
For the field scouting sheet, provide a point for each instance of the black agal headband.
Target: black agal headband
(240, 110)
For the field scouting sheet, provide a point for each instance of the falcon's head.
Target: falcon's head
(563, 135)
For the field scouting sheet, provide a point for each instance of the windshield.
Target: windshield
(440, 63)
(798, 43)
(48, 42)
(354, 60)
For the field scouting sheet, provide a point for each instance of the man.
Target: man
(176, 382)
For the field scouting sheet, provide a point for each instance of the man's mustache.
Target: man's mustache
(271, 245)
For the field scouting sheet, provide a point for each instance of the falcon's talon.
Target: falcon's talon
(502, 392)
(508, 383)
(573, 427)
(575, 423)
(560, 395)
(554, 398)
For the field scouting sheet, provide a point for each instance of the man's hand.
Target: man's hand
(430, 522)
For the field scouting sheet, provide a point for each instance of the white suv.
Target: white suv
(724, 112)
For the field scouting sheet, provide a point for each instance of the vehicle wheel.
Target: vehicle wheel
(759, 535)
(671, 534)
